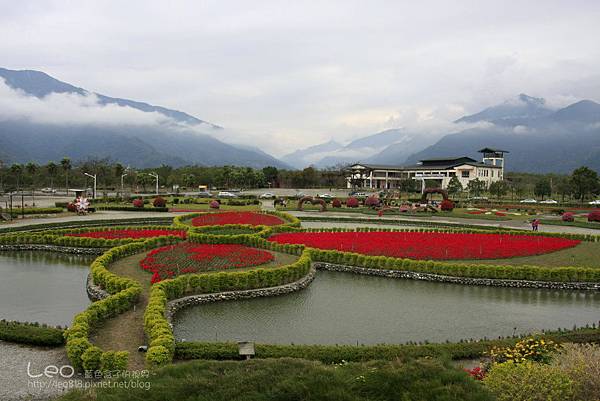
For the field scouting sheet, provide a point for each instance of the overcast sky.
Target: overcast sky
(286, 74)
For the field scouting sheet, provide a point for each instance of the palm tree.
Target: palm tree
(52, 169)
(66, 166)
(31, 169)
(17, 169)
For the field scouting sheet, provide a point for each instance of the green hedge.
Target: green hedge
(133, 209)
(124, 293)
(167, 220)
(17, 211)
(31, 333)
(159, 332)
(337, 353)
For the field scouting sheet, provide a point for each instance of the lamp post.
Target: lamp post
(155, 176)
(94, 177)
(122, 176)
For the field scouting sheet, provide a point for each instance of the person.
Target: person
(534, 224)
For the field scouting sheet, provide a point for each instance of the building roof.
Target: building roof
(452, 163)
(491, 150)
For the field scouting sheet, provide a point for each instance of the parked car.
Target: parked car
(204, 194)
(225, 194)
(594, 202)
(300, 195)
(358, 194)
(325, 196)
(267, 195)
(48, 191)
(528, 201)
(549, 202)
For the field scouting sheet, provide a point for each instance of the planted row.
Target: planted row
(31, 333)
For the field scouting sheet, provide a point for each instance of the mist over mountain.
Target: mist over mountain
(43, 119)
(539, 139)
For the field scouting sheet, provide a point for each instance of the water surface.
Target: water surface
(342, 308)
(45, 287)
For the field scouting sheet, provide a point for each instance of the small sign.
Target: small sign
(246, 348)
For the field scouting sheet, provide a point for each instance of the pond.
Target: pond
(342, 308)
(45, 287)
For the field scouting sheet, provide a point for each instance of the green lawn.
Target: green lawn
(586, 254)
(583, 223)
(296, 380)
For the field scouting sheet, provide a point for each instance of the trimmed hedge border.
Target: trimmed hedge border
(31, 333)
(134, 209)
(123, 294)
(158, 329)
(86, 223)
(555, 285)
(469, 349)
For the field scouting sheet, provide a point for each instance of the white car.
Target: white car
(594, 202)
(325, 196)
(549, 202)
(225, 194)
(528, 201)
(267, 195)
(48, 191)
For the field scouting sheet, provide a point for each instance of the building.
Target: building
(466, 169)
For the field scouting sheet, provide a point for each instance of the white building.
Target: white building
(466, 169)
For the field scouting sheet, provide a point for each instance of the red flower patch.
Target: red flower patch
(172, 260)
(120, 234)
(429, 245)
(218, 219)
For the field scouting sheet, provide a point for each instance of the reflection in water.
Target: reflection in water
(340, 308)
(43, 287)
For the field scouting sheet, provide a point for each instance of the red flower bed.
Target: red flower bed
(218, 219)
(429, 245)
(119, 234)
(173, 260)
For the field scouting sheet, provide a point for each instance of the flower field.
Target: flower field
(130, 233)
(429, 245)
(255, 219)
(173, 260)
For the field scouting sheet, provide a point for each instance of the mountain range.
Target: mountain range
(176, 139)
(539, 138)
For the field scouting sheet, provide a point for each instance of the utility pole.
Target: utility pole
(122, 190)
(94, 177)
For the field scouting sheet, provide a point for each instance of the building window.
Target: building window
(465, 174)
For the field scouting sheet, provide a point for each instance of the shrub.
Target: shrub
(352, 202)
(568, 217)
(372, 201)
(215, 204)
(594, 216)
(159, 201)
(336, 203)
(71, 207)
(529, 381)
(139, 203)
(529, 349)
(581, 362)
(91, 358)
(158, 356)
(30, 333)
(447, 205)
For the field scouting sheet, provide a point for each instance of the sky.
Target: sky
(283, 75)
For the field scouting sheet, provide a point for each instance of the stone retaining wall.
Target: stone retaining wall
(94, 292)
(53, 248)
(180, 303)
(458, 280)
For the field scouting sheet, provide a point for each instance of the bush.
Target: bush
(372, 201)
(71, 207)
(91, 358)
(447, 205)
(352, 202)
(214, 204)
(594, 216)
(159, 202)
(568, 217)
(529, 349)
(157, 356)
(31, 333)
(529, 381)
(139, 203)
(336, 203)
(581, 362)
